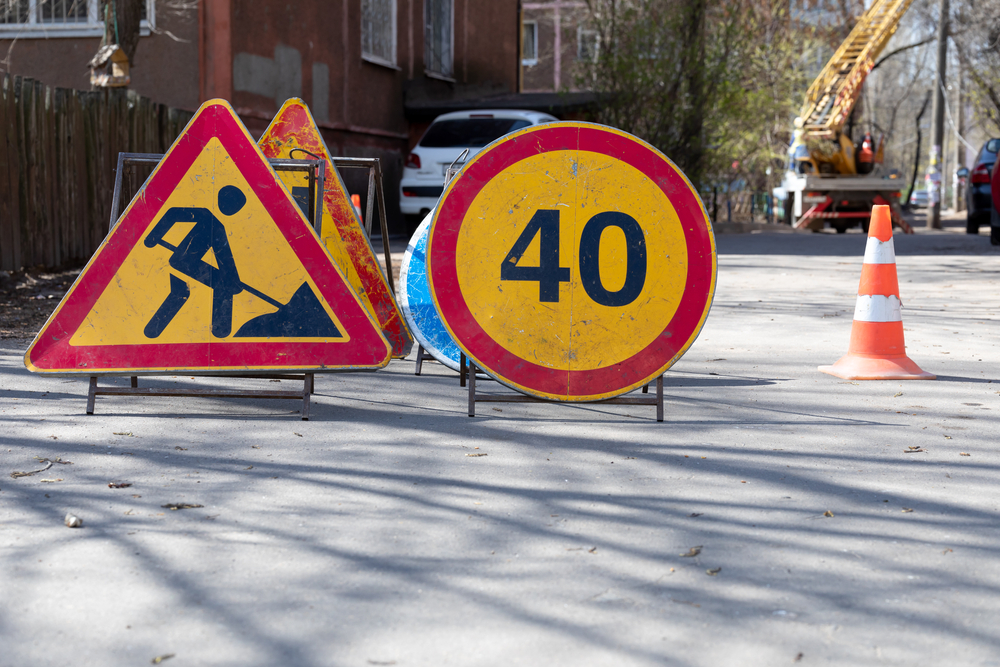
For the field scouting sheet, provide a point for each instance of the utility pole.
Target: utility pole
(937, 132)
(959, 133)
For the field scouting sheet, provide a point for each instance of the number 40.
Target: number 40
(548, 274)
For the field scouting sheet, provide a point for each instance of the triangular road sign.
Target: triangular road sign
(212, 267)
(341, 231)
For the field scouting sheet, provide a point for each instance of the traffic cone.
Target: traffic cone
(877, 350)
(356, 201)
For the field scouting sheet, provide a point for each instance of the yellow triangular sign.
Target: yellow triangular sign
(211, 267)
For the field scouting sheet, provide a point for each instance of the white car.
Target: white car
(446, 138)
(920, 199)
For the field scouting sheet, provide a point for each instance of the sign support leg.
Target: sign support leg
(92, 395)
(659, 398)
(472, 389)
(422, 356)
(307, 390)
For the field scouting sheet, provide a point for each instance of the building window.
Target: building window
(588, 44)
(439, 37)
(529, 43)
(378, 31)
(61, 18)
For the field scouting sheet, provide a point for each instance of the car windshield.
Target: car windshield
(470, 132)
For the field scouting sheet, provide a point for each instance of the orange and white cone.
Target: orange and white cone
(877, 350)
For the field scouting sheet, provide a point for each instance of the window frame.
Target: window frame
(433, 73)
(376, 59)
(580, 32)
(93, 27)
(530, 62)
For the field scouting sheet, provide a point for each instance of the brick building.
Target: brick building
(372, 71)
(555, 39)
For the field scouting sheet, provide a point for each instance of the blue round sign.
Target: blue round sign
(417, 305)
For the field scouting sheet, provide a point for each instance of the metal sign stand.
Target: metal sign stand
(317, 176)
(375, 193)
(475, 397)
(136, 390)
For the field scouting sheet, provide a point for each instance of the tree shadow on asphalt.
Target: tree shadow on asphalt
(775, 544)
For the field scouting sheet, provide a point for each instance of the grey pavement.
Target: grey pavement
(370, 536)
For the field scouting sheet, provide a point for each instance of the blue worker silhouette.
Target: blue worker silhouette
(208, 234)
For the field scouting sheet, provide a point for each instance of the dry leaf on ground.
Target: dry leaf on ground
(180, 506)
(692, 552)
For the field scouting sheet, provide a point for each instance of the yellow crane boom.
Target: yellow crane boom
(832, 95)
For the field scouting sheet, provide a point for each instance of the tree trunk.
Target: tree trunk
(692, 125)
(123, 17)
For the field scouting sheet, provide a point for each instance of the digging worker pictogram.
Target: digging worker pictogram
(188, 258)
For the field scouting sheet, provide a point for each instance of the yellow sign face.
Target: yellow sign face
(122, 313)
(576, 185)
(571, 261)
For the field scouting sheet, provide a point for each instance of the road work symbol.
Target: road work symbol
(212, 267)
(301, 316)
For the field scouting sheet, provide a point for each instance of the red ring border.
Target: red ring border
(534, 378)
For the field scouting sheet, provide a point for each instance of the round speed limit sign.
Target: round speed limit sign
(572, 261)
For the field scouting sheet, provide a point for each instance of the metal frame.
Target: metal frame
(135, 390)
(316, 169)
(374, 191)
(475, 397)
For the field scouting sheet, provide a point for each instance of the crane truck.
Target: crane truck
(832, 177)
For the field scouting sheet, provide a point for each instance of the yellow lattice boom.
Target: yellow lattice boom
(832, 95)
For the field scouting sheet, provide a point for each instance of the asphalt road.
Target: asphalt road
(376, 534)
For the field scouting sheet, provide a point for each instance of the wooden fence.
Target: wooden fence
(58, 152)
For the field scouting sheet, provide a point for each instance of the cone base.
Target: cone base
(856, 367)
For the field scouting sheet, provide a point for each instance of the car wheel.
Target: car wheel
(971, 226)
(995, 235)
